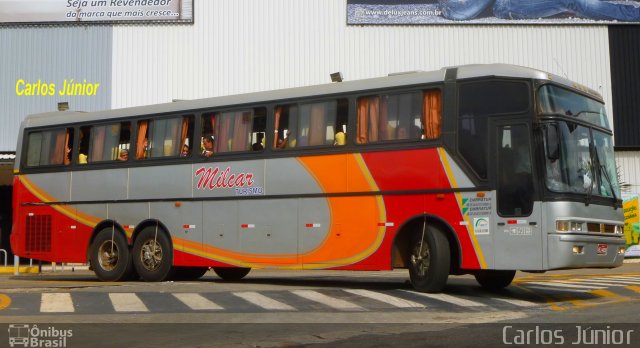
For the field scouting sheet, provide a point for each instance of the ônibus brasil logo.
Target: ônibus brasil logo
(212, 178)
(32, 336)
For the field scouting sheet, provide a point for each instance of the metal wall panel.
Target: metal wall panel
(51, 54)
(629, 167)
(238, 46)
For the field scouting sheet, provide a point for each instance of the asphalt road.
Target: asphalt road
(320, 308)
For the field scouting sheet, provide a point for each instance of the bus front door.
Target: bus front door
(517, 236)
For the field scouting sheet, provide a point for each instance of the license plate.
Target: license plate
(602, 248)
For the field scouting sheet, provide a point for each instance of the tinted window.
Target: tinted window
(414, 115)
(477, 101)
(233, 131)
(102, 143)
(311, 124)
(52, 147)
(167, 137)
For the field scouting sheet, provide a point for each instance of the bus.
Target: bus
(475, 169)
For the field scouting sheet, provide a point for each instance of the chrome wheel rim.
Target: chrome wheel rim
(151, 255)
(108, 255)
(421, 258)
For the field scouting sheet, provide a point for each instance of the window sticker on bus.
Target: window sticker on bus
(212, 178)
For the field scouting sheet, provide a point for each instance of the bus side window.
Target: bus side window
(311, 124)
(106, 142)
(414, 115)
(50, 147)
(165, 137)
(233, 131)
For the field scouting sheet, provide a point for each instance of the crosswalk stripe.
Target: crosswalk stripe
(594, 282)
(394, 301)
(637, 278)
(56, 303)
(263, 301)
(547, 288)
(196, 301)
(449, 299)
(326, 300)
(127, 302)
(565, 285)
(621, 280)
(516, 302)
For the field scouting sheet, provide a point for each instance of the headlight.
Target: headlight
(569, 226)
(618, 229)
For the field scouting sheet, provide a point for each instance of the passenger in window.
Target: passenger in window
(124, 155)
(185, 151)
(340, 139)
(83, 159)
(258, 145)
(207, 143)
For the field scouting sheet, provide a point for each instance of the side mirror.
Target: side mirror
(553, 142)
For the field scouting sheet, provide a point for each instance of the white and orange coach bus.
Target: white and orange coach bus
(478, 169)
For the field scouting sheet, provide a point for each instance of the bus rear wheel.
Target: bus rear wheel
(110, 257)
(494, 280)
(429, 260)
(152, 255)
(231, 273)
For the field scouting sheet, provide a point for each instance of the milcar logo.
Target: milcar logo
(24, 335)
(213, 178)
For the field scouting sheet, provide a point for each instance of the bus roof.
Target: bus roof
(394, 80)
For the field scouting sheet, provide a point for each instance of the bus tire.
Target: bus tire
(429, 260)
(153, 255)
(189, 273)
(494, 280)
(111, 260)
(231, 273)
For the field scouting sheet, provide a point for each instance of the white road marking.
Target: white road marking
(458, 301)
(392, 300)
(196, 301)
(127, 302)
(56, 303)
(566, 285)
(326, 300)
(516, 302)
(263, 301)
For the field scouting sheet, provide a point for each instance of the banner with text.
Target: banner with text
(385, 12)
(13, 12)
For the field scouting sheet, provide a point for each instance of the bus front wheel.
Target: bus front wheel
(110, 257)
(429, 260)
(495, 280)
(152, 255)
(231, 273)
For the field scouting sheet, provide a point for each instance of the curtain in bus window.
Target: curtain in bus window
(165, 137)
(140, 142)
(242, 131)
(34, 149)
(278, 113)
(68, 145)
(185, 132)
(221, 132)
(368, 119)
(317, 124)
(57, 152)
(97, 143)
(431, 113)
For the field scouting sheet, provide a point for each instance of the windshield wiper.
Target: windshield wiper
(605, 173)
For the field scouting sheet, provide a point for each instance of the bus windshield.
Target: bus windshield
(579, 160)
(554, 100)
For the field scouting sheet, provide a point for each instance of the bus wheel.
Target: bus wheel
(231, 273)
(152, 255)
(494, 280)
(429, 260)
(189, 273)
(110, 257)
